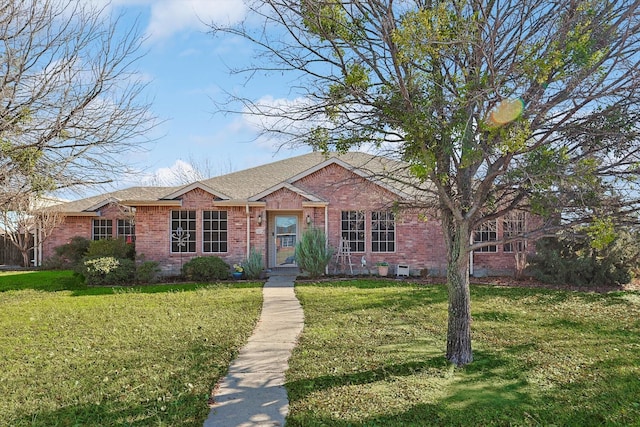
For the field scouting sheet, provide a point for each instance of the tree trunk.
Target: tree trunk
(26, 262)
(457, 236)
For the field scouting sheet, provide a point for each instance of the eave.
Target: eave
(177, 203)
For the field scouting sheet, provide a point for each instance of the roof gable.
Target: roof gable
(370, 171)
(193, 186)
(305, 194)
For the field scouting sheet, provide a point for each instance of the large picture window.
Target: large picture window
(183, 231)
(514, 224)
(383, 232)
(352, 228)
(214, 231)
(102, 229)
(484, 233)
(127, 230)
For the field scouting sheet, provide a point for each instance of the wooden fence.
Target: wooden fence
(9, 254)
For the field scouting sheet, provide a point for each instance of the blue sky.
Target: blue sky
(187, 69)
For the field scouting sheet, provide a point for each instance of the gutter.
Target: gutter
(248, 229)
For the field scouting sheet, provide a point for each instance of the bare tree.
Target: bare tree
(71, 103)
(185, 172)
(28, 221)
(494, 105)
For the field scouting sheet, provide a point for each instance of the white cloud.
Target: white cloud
(179, 173)
(169, 17)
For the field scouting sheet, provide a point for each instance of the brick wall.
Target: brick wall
(153, 232)
(79, 226)
(419, 241)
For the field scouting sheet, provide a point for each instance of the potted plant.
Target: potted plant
(238, 271)
(383, 268)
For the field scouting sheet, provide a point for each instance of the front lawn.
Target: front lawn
(77, 356)
(372, 354)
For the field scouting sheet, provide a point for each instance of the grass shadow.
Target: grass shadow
(483, 393)
(298, 389)
(66, 280)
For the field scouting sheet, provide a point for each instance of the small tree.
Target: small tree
(253, 265)
(492, 106)
(312, 252)
(28, 221)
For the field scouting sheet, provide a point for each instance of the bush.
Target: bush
(116, 248)
(576, 262)
(253, 265)
(68, 255)
(312, 253)
(147, 272)
(107, 271)
(206, 269)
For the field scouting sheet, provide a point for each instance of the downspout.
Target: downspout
(471, 257)
(326, 233)
(248, 230)
(36, 243)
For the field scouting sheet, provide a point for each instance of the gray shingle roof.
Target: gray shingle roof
(244, 184)
(137, 193)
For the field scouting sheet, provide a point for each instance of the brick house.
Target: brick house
(268, 207)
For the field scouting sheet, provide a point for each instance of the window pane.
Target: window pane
(353, 229)
(183, 236)
(214, 240)
(486, 232)
(102, 229)
(383, 234)
(514, 224)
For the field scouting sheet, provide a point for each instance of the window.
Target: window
(287, 241)
(183, 231)
(102, 229)
(353, 229)
(127, 230)
(486, 232)
(214, 231)
(514, 224)
(383, 232)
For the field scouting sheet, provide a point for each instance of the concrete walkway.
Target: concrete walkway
(253, 393)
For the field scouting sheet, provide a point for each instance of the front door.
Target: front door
(285, 239)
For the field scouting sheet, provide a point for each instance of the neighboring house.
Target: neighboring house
(268, 207)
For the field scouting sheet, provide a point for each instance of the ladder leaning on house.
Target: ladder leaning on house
(343, 257)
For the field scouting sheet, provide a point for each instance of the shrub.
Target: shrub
(253, 265)
(68, 255)
(576, 262)
(147, 272)
(107, 271)
(116, 248)
(312, 253)
(206, 269)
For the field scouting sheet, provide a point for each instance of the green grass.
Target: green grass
(372, 354)
(137, 356)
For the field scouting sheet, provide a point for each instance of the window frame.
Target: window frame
(383, 223)
(208, 243)
(176, 224)
(101, 224)
(513, 226)
(484, 233)
(355, 232)
(125, 228)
